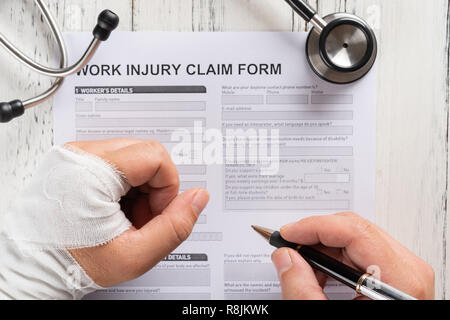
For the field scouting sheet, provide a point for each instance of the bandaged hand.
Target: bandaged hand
(95, 214)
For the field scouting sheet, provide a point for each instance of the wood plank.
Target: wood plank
(81, 15)
(447, 222)
(253, 15)
(412, 126)
(23, 141)
(163, 15)
(206, 15)
(411, 186)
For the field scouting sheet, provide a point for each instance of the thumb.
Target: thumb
(165, 232)
(298, 281)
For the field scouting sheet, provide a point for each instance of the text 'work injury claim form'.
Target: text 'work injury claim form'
(243, 116)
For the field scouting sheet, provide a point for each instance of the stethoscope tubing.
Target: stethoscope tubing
(15, 52)
(60, 73)
(57, 73)
(308, 14)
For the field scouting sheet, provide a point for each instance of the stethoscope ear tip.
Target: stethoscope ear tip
(11, 110)
(106, 23)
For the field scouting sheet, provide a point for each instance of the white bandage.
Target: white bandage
(71, 202)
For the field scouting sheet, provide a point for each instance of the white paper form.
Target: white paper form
(192, 87)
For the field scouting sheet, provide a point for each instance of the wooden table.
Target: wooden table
(412, 186)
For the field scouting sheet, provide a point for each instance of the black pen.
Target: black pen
(363, 283)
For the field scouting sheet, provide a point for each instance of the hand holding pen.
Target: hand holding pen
(355, 242)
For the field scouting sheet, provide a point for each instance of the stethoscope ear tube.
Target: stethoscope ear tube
(107, 22)
(303, 9)
(307, 13)
(11, 110)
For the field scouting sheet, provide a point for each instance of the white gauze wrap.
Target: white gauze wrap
(71, 202)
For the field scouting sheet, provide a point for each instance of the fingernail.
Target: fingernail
(282, 261)
(200, 200)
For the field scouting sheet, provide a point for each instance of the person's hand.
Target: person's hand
(356, 242)
(161, 218)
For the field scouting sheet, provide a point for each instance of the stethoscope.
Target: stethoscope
(341, 48)
(107, 22)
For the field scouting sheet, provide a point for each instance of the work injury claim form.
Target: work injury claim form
(243, 116)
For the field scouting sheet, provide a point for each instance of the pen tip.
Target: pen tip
(264, 232)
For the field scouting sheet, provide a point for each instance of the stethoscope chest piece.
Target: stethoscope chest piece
(344, 51)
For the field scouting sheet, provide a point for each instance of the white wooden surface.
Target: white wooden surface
(413, 158)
